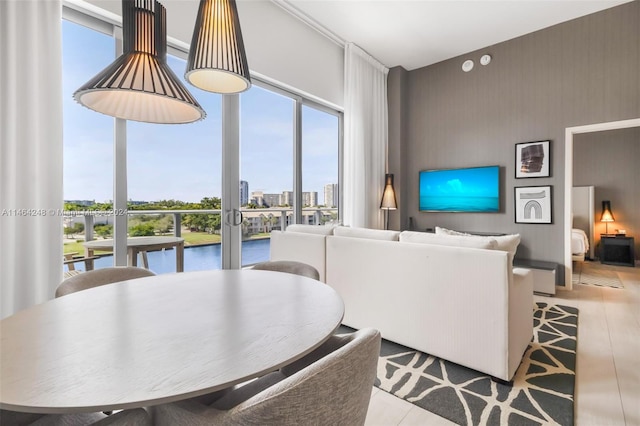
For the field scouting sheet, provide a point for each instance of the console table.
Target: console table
(544, 274)
(616, 250)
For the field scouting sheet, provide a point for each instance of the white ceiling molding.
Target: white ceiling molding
(294, 11)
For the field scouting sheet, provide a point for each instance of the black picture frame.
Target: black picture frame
(533, 204)
(533, 159)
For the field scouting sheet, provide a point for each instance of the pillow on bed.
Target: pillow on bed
(508, 243)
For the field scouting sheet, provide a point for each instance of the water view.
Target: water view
(198, 258)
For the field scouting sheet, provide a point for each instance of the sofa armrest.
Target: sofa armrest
(520, 316)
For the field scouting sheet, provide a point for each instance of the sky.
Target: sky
(183, 161)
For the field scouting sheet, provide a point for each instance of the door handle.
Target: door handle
(233, 217)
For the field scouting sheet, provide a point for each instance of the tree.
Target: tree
(142, 230)
(76, 228)
(103, 230)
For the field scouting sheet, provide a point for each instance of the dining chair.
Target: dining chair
(289, 266)
(100, 277)
(330, 386)
(70, 259)
(133, 417)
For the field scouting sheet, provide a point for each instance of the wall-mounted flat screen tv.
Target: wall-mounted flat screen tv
(474, 189)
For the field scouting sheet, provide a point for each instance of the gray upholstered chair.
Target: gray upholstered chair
(330, 386)
(289, 266)
(133, 417)
(100, 277)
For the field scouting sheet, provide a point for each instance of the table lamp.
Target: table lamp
(606, 216)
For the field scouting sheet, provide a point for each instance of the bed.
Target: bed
(579, 244)
(583, 219)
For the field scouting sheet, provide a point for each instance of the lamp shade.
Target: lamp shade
(139, 85)
(217, 59)
(389, 195)
(606, 216)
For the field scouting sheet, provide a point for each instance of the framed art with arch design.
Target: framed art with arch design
(533, 204)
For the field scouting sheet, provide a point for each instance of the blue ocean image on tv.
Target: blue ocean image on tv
(474, 189)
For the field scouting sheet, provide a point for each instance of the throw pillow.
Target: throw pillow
(447, 240)
(311, 229)
(373, 234)
(508, 243)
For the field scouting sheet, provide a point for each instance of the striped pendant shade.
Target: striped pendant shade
(139, 85)
(217, 59)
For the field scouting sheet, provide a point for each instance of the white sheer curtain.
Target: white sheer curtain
(365, 138)
(30, 152)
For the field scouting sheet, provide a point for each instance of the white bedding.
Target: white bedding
(579, 241)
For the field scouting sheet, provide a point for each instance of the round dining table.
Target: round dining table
(160, 339)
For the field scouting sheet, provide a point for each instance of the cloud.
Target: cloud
(455, 185)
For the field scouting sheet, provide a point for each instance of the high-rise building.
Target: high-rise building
(272, 200)
(257, 198)
(331, 195)
(309, 199)
(244, 192)
(287, 198)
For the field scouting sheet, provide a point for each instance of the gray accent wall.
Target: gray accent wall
(610, 161)
(580, 72)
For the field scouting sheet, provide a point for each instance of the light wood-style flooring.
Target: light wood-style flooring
(608, 365)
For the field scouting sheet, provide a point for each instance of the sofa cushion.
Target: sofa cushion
(373, 234)
(508, 243)
(312, 229)
(447, 240)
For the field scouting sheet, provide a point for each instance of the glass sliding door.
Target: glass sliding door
(173, 171)
(259, 161)
(266, 168)
(320, 165)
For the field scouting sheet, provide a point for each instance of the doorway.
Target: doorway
(568, 180)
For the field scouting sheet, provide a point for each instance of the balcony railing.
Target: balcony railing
(263, 220)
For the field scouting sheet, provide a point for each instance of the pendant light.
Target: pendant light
(217, 59)
(139, 85)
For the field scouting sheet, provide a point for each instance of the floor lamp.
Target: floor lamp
(388, 201)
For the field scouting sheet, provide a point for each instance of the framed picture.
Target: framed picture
(533, 159)
(533, 204)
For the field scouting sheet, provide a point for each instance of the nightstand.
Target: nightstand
(616, 250)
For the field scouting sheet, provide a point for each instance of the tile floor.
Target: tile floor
(608, 365)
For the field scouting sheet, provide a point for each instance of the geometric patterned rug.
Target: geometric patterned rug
(596, 274)
(541, 393)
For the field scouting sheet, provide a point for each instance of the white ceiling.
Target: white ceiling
(417, 33)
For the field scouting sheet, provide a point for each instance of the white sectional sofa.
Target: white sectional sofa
(454, 297)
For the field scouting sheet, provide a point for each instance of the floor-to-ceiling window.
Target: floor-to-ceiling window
(88, 140)
(266, 168)
(288, 158)
(172, 169)
(320, 165)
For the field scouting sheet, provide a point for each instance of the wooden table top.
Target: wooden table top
(139, 242)
(160, 339)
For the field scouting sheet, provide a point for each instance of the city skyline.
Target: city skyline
(184, 161)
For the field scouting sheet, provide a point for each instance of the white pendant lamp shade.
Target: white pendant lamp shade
(217, 59)
(139, 85)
